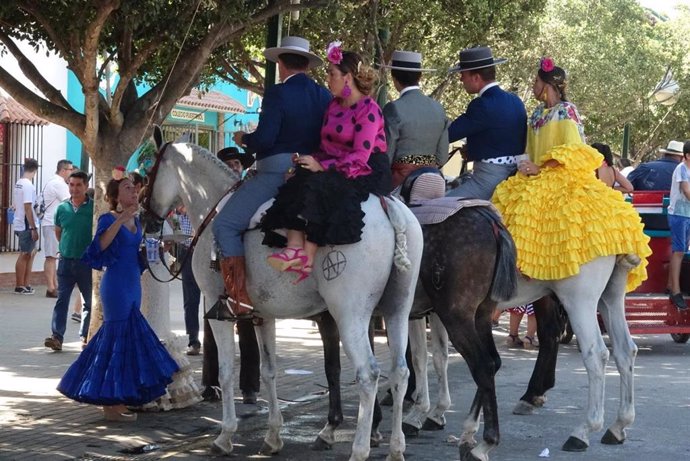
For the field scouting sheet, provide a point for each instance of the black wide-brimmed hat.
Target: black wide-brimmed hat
(476, 58)
(233, 153)
(407, 60)
(293, 45)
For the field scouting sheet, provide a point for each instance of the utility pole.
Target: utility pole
(273, 35)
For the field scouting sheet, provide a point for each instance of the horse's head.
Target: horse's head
(162, 189)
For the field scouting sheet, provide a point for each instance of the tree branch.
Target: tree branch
(54, 113)
(33, 9)
(234, 71)
(127, 74)
(90, 84)
(273, 9)
(33, 74)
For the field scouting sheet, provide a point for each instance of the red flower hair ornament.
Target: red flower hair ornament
(334, 52)
(546, 64)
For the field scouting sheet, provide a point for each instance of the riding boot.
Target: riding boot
(232, 269)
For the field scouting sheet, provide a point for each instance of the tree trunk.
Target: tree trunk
(104, 161)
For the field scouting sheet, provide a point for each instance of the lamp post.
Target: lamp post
(665, 93)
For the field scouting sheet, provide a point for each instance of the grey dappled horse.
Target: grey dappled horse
(348, 281)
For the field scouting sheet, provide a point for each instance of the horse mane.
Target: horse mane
(207, 156)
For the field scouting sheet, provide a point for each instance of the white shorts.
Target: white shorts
(50, 242)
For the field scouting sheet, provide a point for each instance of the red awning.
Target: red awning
(13, 112)
(212, 100)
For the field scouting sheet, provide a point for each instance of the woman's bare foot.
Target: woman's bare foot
(118, 413)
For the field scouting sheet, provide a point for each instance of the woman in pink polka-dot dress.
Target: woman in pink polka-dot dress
(321, 204)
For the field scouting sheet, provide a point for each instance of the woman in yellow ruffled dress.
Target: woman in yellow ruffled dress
(560, 215)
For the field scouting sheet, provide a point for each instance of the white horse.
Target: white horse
(461, 297)
(348, 281)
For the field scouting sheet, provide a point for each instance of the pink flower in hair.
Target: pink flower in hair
(547, 64)
(334, 52)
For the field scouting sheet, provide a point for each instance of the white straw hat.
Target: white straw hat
(293, 45)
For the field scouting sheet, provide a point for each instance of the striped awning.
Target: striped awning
(13, 112)
(212, 100)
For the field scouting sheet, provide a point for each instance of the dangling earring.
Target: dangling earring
(347, 91)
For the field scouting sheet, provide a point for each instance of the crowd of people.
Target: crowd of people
(321, 153)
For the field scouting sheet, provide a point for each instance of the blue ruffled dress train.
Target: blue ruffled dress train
(125, 362)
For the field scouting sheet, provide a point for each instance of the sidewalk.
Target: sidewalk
(37, 422)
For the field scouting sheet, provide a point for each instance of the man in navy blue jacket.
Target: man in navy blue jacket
(495, 125)
(656, 175)
(290, 122)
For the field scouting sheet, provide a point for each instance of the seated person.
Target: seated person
(608, 173)
(321, 203)
(656, 175)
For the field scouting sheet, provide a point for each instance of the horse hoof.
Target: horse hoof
(267, 450)
(574, 444)
(216, 450)
(409, 430)
(321, 445)
(610, 439)
(466, 453)
(431, 425)
(523, 408)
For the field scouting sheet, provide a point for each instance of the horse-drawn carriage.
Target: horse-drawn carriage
(648, 309)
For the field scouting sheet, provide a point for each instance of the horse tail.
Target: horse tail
(504, 283)
(396, 215)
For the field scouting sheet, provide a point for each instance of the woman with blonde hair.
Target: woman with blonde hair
(321, 203)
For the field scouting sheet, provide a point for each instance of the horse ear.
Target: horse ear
(158, 136)
(185, 137)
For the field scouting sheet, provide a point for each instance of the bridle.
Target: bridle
(146, 199)
(146, 206)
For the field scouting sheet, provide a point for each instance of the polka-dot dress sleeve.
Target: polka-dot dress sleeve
(349, 139)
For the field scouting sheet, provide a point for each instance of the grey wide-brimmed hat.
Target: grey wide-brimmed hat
(673, 148)
(406, 60)
(476, 58)
(293, 45)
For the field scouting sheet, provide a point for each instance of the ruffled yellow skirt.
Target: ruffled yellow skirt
(565, 217)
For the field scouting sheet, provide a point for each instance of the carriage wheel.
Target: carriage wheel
(680, 338)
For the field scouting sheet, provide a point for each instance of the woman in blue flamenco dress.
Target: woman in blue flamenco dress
(125, 363)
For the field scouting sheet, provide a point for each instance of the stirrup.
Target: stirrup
(222, 310)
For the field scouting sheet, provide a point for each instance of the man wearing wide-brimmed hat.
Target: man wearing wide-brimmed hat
(290, 122)
(495, 125)
(656, 175)
(416, 125)
(237, 161)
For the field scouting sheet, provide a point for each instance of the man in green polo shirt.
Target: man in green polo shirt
(73, 229)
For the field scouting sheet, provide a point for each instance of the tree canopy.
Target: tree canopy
(614, 51)
(164, 43)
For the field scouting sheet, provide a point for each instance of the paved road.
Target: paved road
(36, 423)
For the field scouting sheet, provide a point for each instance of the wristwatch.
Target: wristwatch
(32, 228)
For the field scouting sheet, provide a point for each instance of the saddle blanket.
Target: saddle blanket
(437, 210)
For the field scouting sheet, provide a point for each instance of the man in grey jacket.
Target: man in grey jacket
(416, 125)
